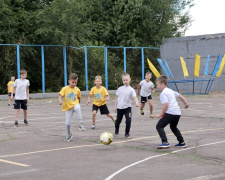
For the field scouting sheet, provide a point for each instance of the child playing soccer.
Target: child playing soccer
(170, 113)
(71, 104)
(123, 104)
(147, 87)
(10, 89)
(100, 96)
(21, 90)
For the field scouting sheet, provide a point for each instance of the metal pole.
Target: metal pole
(18, 60)
(106, 68)
(43, 68)
(124, 59)
(86, 70)
(143, 63)
(65, 66)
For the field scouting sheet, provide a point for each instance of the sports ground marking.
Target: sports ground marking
(92, 145)
(14, 163)
(160, 155)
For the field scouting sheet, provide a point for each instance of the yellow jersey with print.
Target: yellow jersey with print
(71, 96)
(99, 95)
(10, 86)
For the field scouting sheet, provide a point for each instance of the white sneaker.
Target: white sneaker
(82, 128)
(93, 127)
(68, 138)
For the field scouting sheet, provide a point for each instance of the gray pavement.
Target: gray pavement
(38, 151)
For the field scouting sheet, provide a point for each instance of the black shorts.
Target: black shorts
(11, 93)
(145, 99)
(103, 109)
(20, 104)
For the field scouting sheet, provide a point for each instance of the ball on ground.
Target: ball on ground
(106, 138)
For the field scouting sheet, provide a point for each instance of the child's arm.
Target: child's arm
(79, 99)
(153, 90)
(89, 97)
(60, 99)
(164, 108)
(136, 101)
(182, 98)
(28, 94)
(106, 97)
(116, 101)
(138, 89)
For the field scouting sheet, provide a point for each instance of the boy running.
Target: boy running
(71, 104)
(147, 88)
(100, 96)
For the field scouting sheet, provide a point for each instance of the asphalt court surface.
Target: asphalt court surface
(38, 151)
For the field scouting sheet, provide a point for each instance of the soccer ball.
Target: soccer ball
(106, 138)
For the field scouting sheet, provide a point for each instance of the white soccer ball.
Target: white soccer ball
(106, 138)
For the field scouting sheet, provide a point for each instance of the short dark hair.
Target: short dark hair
(161, 79)
(125, 74)
(147, 73)
(23, 71)
(73, 76)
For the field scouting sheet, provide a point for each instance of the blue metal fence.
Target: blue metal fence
(85, 60)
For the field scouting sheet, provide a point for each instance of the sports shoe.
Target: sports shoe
(181, 145)
(25, 122)
(142, 112)
(82, 128)
(164, 145)
(116, 134)
(16, 124)
(93, 127)
(128, 136)
(151, 116)
(68, 138)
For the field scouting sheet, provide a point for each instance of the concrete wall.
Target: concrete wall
(174, 48)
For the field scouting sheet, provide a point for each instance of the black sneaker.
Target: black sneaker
(16, 124)
(181, 145)
(25, 122)
(128, 136)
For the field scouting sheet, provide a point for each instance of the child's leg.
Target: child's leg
(142, 106)
(25, 114)
(160, 127)
(16, 114)
(77, 109)
(120, 113)
(128, 115)
(69, 117)
(94, 112)
(109, 115)
(9, 100)
(150, 106)
(175, 130)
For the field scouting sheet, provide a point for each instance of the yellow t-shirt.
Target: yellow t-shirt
(71, 96)
(10, 86)
(99, 95)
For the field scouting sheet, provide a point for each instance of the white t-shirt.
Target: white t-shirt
(146, 88)
(125, 94)
(168, 95)
(21, 89)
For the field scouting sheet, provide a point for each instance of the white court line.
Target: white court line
(160, 155)
(7, 117)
